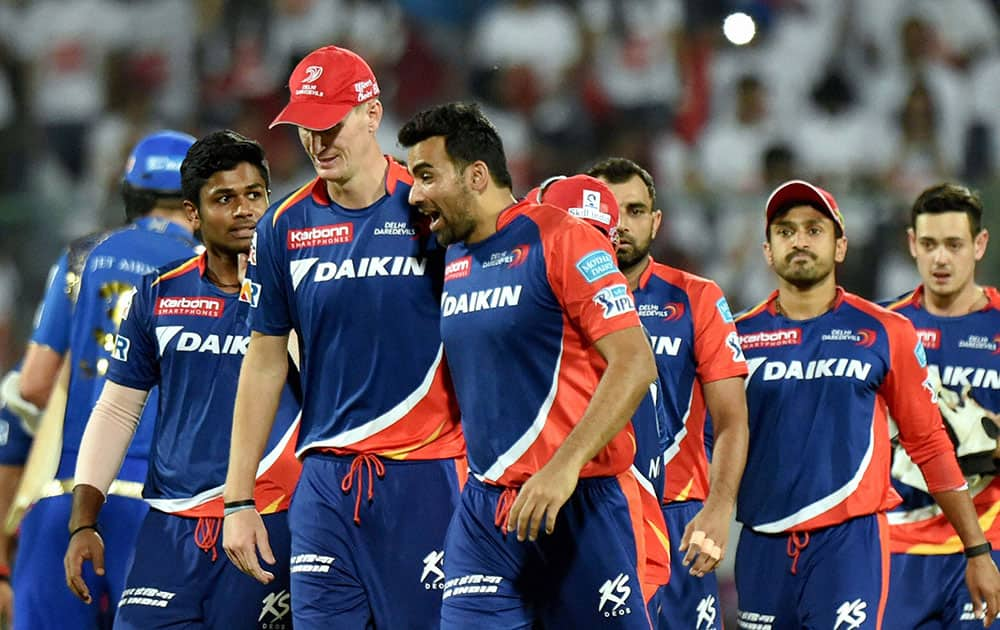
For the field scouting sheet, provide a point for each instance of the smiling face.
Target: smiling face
(802, 246)
(230, 204)
(441, 192)
(336, 153)
(946, 252)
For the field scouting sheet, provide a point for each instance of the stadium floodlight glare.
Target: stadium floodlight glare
(739, 28)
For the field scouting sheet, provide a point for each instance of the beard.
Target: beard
(803, 275)
(459, 223)
(634, 253)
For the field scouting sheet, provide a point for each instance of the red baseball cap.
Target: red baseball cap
(327, 84)
(584, 197)
(797, 190)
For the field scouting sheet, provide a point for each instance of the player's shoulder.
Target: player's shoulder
(181, 267)
(288, 205)
(893, 322)
(901, 301)
(691, 283)
(759, 310)
(79, 248)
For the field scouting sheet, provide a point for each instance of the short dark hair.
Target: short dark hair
(469, 136)
(140, 201)
(949, 197)
(619, 170)
(219, 151)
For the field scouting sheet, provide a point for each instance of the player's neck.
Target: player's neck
(178, 217)
(798, 303)
(222, 270)
(971, 298)
(635, 271)
(490, 206)
(366, 186)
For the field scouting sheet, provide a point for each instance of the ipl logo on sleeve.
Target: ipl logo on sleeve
(615, 300)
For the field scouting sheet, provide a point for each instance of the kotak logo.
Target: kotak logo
(930, 337)
(458, 268)
(321, 235)
(196, 306)
(771, 338)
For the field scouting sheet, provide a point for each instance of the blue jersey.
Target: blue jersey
(186, 336)
(817, 396)
(111, 270)
(361, 288)
(694, 342)
(54, 313)
(963, 355)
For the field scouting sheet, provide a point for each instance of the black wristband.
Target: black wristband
(978, 550)
(83, 527)
(241, 503)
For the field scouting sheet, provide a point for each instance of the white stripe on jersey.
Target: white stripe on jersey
(172, 506)
(386, 420)
(523, 443)
(675, 446)
(644, 483)
(820, 506)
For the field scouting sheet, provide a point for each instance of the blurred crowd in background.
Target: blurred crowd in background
(872, 100)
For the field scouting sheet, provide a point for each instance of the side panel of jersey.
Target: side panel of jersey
(359, 284)
(817, 394)
(187, 337)
(51, 325)
(113, 268)
(520, 313)
(963, 355)
(695, 342)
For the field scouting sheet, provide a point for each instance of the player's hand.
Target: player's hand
(983, 580)
(6, 604)
(84, 545)
(243, 534)
(540, 498)
(705, 539)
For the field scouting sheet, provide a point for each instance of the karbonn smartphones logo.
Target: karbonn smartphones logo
(196, 306)
(458, 268)
(321, 235)
(930, 337)
(771, 338)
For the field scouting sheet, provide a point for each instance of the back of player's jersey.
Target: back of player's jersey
(113, 268)
(963, 355)
(362, 289)
(695, 342)
(817, 395)
(184, 335)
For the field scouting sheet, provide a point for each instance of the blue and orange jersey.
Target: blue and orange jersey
(695, 342)
(963, 355)
(187, 337)
(520, 313)
(99, 282)
(361, 288)
(818, 393)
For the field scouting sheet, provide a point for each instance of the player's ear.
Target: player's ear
(191, 213)
(911, 240)
(840, 250)
(980, 242)
(768, 255)
(477, 175)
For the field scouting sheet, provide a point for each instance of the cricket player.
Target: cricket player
(99, 275)
(701, 369)
(957, 321)
(349, 265)
(185, 332)
(549, 364)
(825, 368)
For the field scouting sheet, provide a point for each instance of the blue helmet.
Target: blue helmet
(155, 162)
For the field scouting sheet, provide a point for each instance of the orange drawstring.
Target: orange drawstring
(206, 534)
(795, 547)
(504, 503)
(373, 464)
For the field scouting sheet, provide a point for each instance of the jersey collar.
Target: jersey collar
(395, 174)
(772, 302)
(916, 299)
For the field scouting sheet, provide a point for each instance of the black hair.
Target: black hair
(140, 201)
(949, 197)
(469, 137)
(619, 170)
(219, 151)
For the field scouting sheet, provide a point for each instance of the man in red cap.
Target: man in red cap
(825, 369)
(341, 261)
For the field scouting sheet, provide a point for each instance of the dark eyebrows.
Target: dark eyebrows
(229, 190)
